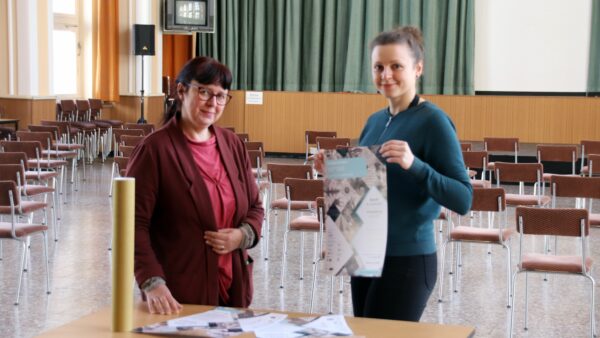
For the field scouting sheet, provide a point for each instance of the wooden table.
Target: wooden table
(14, 122)
(99, 325)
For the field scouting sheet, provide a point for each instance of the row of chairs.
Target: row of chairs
(532, 219)
(544, 153)
(19, 197)
(79, 110)
(30, 168)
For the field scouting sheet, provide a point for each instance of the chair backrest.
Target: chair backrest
(501, 144)
(331, 143)
(508, 144)
(8, 188)
(129, 140)
(311, 135)
(519, 172)
(279, 172)
(146, 127)
(13, 158)
(465, 146)
(299, 189)
(12, 172)
(256, 158)
(68, 106)
(255, 145)
(575, 186)
(82, 105)
(63, 126)
(117, 133)
(95, 104)
(126, 151)
(488, 199)
(554, 153)
(475, 159)
(95, 108)
(54, 130)
(32, 149)
(553, 222)
(589, 147)
(243, 136)
(121, 162)
(593, 164)
(44, 137)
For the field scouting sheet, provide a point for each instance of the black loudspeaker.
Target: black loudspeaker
(144, 39)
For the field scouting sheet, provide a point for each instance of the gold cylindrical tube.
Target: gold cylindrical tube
(122, 253)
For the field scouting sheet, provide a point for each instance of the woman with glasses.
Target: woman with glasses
(197, 205)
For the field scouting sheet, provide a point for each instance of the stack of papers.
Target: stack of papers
(228, 322)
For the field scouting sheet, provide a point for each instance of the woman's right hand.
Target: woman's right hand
(319, 162)
(160, 301)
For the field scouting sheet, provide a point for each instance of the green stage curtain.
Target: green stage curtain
(322, 45)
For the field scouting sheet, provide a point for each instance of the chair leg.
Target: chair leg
(331, 294)
(512, 306)
(54, 212)
(283, 258)
(301, 255)
(456, 265)
(73, 170)
(22, 271)
(526, 300)
(314, 286)
(592, 309)
(45, 238)
(27, 246)
(507, 275)
(441, 287)
(112, 177)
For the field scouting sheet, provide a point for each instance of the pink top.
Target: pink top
(220, 192)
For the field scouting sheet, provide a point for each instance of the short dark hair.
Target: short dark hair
(204, 70)
(409, 35)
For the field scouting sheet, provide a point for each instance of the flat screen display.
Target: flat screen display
(190, 12)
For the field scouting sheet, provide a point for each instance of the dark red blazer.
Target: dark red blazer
(172, 212)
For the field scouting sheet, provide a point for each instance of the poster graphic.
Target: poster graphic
(356, 211)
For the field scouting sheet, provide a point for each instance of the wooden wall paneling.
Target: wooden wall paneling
(42, 109)
(17, 108)
(234, 113)
(128, 109)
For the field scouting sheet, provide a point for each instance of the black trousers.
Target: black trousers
(400, 293)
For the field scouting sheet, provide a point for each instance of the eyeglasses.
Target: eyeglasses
(205, 95)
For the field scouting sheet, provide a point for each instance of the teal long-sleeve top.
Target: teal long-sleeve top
(436, 178)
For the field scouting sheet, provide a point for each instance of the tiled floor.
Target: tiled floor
(80, 278)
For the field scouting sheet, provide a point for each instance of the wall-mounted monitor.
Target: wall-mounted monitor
(184, 16)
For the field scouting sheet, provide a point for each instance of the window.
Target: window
(66, 63)
(64, 7)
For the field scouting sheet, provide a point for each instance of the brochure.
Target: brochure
(229, 322)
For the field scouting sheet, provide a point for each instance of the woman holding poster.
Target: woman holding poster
(425, 171)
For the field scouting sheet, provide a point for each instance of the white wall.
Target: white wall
(532, 45)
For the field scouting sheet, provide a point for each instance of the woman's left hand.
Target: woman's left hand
(224, 240)
(396, 151)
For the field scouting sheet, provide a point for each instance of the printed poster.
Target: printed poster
(355, 211)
